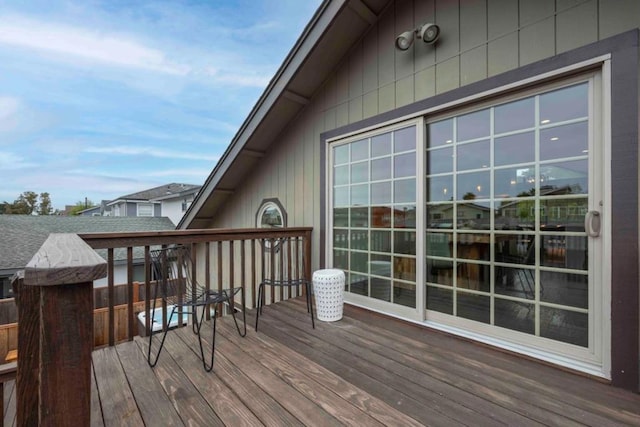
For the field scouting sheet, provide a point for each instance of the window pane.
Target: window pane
(517, 282)
(564, 178)
(404, 294)
(515, 215)
(380, 217)
(359, 217)
(381, 145)
(515, 182)
(341, 196)
(473, 125)
(515, 249)
(359, 150)
(359, 284)
(564, 252)
(360, 172)
(359, 195)
(440, 216)
(341, 175)
(341, 217)
(381, 241)
(474, 307)
(381, 169)
(359, 239)
(564, 104)
(514, 116)
(563, 214)
(341, 154)
(564, 288)
(473, 246)
(341, 259)
(440, 188)
(381, 289)
(404, 191)
(473, 156)
(440, 271)
(564, 141)
(381, 192)
(439, 299)
(439, 161)
(380, 265)
(473, 186)
(440, 133)
(474, 276)
(404, 216)
(340, 238)
(404, 242)
(512, 149)
(474, 216)
(515, 315)
(359, 262)
(404, 165)
(564, 325)
(404, 268)
(404, 139)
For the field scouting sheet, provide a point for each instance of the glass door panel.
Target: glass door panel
(507, 190)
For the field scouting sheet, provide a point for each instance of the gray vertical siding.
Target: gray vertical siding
(480, 39)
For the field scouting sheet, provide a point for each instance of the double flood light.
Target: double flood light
(428, 32)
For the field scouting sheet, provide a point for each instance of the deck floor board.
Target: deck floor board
(366, 369)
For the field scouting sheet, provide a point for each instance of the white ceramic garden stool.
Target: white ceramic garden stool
(328, 288)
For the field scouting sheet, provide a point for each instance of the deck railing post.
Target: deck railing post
(64, 270)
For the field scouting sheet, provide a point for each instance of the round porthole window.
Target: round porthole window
(271, 215)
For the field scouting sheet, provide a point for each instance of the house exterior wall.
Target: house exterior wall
(479, 40)
(172, 208)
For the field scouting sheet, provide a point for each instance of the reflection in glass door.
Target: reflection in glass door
(374, 215)
(507, 193)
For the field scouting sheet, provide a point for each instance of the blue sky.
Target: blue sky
(99, 99)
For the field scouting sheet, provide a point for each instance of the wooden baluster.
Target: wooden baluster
(130, 316)
(111, 293)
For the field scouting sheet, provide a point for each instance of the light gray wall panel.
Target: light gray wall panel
(342, 83)
(447, 16)
(386, 48)
(425, 83)
(502, 54)
(370, 60)
(404, 22)
(387, 98)
(473, 65)
(577, 26)
(424, 55)
(473, 23)
(370, 104)
(535, 11)
(342, 114)
(355, 110)
(502, 17)
(330, 119)
(448, 75)
(330, 92)
(537, 41)
(616, 16)
(356, 67)
(562, 5)
(405, 91)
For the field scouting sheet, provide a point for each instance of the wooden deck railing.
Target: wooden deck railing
(55, 305)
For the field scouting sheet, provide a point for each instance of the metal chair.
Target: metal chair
(180, 294)
(284, 266)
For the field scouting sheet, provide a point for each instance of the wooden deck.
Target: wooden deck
(363, 370)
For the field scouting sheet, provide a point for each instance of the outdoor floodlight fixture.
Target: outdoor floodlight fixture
(428, 32)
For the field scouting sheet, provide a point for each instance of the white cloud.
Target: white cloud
(86, 44)
(8, 106)
(9, 161)
(150, 151)
(201, 174)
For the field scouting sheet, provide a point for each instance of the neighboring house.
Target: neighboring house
(22, 236)
(170, 200)
(514, 101)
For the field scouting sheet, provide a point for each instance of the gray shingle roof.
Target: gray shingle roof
(22, 235)
(160, 191)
